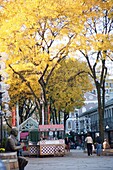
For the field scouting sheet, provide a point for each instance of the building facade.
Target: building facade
(93, 116)
(81, 125)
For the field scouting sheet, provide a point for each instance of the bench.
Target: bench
(107, 152)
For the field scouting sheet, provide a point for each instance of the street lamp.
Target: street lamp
(1, 113)
(42, 107)
(1, 125)
(107, 127)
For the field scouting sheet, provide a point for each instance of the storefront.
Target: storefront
(28, 132)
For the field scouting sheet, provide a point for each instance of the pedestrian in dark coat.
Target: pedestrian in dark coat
(98, 145)
(67, 143)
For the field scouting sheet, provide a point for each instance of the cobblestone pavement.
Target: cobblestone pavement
(75, 160)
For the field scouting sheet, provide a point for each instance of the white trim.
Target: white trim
(24, 123)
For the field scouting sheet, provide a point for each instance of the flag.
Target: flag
(13, 116)
(48, 114)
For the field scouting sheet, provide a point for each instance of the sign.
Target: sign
(56, 127)
(13, 117)
(23, 135)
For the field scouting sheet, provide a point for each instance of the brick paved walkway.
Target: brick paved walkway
(75, 160)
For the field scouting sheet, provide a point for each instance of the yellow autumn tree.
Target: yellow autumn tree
(36, 36)
(95, 44)
(67, 86)
(20, 94)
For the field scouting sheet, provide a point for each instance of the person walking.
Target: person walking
(98, 145)
(67, 143)
(12, 146)
(89, 142)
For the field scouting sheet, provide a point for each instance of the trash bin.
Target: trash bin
(2, 166)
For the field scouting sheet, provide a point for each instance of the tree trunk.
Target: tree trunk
(100, 112)
(66, 116)
(53, 116)
(40, 115)
(45, 113)
(56, 119)
(59, 117)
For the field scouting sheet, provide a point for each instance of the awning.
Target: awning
(56, 127)
(23, 135)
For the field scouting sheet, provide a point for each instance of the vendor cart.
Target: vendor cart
(52, 140)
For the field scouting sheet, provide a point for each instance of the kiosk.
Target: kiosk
(53, 143)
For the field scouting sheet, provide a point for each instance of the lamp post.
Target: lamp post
(1, 113)
(42, 107)
(1, 125)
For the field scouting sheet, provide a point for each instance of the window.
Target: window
(112, 112)
(87, 121)
(83, 109)
(106, 84)
(69, 124)
(105, 114)
(107, 91)
(110, 115)
(111, 85)
(72, 114)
